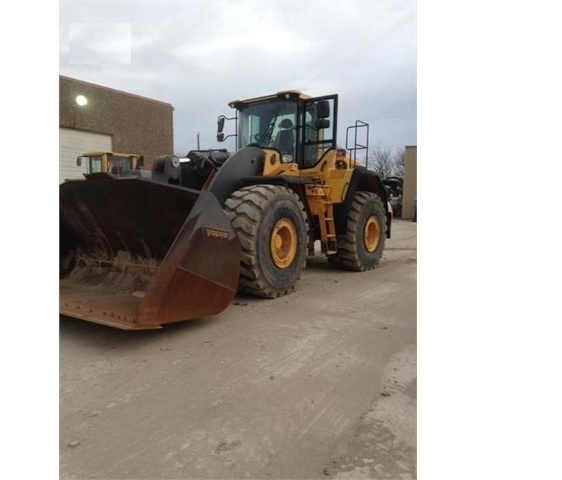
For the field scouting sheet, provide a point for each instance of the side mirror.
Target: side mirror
(322, 123)
(220, 128)
(323, 109)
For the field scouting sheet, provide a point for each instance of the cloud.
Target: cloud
(99, 43)
(200, 55)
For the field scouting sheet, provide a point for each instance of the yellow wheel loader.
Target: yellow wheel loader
(110, 162)
(141, 251)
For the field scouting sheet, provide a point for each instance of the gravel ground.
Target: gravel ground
(318, 384)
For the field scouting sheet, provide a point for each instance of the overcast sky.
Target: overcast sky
(198, 56)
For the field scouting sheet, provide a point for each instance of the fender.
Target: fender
(247, 162)
(366, 181)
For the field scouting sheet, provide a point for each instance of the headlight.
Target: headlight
(286, 158)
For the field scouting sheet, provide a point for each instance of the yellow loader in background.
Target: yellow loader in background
(110, 162)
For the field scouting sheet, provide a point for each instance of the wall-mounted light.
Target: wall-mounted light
(81, 100)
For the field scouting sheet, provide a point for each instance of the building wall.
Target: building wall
(410, 191)
(136, 124)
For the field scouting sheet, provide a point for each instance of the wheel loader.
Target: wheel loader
(141, 251)
(116, 163)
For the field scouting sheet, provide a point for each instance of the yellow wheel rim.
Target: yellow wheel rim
(372, 233)
(283, 243)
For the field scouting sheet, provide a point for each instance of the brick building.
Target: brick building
(111, 120)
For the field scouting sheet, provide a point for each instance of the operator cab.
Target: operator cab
(110, 162)
(302, 129)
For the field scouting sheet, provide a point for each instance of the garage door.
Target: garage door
(73, 143)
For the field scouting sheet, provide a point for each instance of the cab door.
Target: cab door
(318, 129)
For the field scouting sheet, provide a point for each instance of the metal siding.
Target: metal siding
(73, 143)
(409, 193)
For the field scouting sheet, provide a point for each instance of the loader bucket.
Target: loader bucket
(136, 254)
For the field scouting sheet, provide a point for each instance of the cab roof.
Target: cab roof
(284, 94)
(115, 154)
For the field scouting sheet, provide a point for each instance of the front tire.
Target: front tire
(272, 226)
(361, 248)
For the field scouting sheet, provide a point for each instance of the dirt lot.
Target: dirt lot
(318, 384)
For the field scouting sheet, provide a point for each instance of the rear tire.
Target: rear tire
(272, 227)
(361, 248)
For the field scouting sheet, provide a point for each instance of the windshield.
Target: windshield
(119, 164)
(270, 124)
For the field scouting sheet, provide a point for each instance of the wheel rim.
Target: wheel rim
(283, 243)
(372, 233)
